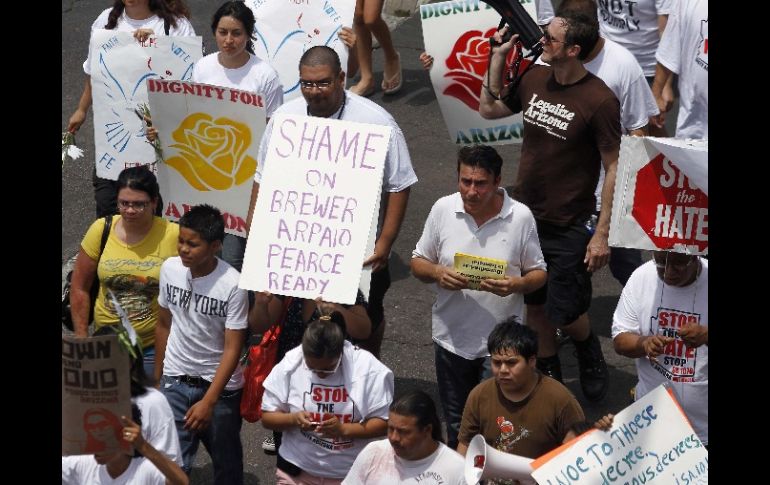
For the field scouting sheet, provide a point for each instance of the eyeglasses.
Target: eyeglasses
(315, 84)
(322, 371)
(137, 206)
(549, 38)
(681, 266)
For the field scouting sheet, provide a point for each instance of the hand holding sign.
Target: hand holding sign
(502, 287)
(449, 279)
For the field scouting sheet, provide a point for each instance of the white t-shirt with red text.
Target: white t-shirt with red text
(362, 388)
(647, 306)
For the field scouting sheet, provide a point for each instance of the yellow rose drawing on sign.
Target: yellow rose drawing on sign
(212, 153)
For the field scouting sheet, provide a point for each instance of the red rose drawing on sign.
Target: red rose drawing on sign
(468, 64)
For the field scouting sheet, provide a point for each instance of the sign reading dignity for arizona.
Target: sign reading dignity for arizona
(120, 65)
(210, 137)
(650, 442)
(285, 29)
(94, 394)
(320, 186)
(456, 34)
(661, 195)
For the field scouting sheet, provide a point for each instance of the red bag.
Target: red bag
(261, 360)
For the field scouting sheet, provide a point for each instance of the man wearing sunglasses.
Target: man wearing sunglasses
(322, 82)
(662, 322)
(571, 128)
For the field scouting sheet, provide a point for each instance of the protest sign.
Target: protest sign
(456, 33)
(285, 30)
(95, 391)
(477, 268)
(657, 202)
(120, 67)
(210, 138)
(650, 442)
(320, 185)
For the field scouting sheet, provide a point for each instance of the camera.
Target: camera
(519, 22)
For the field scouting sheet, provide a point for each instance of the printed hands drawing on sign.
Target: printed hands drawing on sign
(212, 153)
(123, 125)
(468, 65)
(296, 42)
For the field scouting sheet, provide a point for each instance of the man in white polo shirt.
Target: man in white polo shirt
(480, 220)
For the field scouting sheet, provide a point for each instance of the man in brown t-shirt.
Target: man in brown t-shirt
(520, 410)
(571, 127)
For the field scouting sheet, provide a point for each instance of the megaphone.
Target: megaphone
(519, 22)
(482, 461)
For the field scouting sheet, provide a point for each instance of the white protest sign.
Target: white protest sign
(286, 29)
(456, 34)
(210, 138)
(650, 442)
(95, 392)
(657, 205)
(312, 221)
(120, 67)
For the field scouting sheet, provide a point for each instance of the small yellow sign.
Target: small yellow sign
(477, 268)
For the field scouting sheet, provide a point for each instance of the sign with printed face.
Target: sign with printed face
(285, 29)
(95, 392)
(120, 68)
(314, 215)
(456, 34)
(649, 442)
(210, 138)
(661, 195)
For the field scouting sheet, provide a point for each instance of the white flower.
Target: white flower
(74, 152)
(68, 149)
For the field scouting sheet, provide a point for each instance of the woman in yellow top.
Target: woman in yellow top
(129, 266)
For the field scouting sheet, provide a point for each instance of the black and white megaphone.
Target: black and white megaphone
(519, 22)
(482, 461)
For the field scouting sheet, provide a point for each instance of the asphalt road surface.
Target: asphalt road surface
(407, 346)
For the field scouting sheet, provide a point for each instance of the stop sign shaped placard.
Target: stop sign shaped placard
(670, 210)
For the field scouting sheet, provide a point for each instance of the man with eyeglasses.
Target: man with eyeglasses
(571, 128)
(322, 81)
(661, 321)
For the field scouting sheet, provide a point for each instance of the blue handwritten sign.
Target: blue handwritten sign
(650, 442)
(120, 68)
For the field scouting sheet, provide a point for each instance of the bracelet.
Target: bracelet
(489, 91)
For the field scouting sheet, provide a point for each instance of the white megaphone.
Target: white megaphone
(482, 461)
